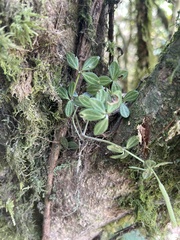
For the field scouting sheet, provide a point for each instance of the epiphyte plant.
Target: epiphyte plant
(103, 94)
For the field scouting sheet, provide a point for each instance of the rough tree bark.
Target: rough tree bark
(87, 200)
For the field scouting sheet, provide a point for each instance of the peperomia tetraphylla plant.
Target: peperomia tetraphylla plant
(102, 98)
(103, 94)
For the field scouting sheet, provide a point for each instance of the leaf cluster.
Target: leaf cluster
(103, 94)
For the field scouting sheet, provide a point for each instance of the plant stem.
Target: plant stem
(74, 114)
(161, 186)
(97, 139)
(133, 155)
(76, 82)
(167, 201)
(85, 129)
(108, 142)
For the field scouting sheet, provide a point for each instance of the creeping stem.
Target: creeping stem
(110, 143)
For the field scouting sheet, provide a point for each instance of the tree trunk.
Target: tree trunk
(87, 201)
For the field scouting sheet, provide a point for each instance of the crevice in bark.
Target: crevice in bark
(90, 13)
(111, 31)
(60, 132)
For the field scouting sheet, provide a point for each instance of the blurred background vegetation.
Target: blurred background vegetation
(142, 29)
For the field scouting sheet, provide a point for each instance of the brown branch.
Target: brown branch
(54, 155)
(84, 41)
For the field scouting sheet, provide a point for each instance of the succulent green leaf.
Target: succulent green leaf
(90, 77)
(94, 88)
(147, 173)
(71, 89)
(115, 86)
(132, 142)
(104, 80)
(115, 148)
(162, 164)
(124, 110)
(91, 115)
(136, 168)
(124, 155)
(101, 126)
(116, 156)
(168, 204)
(123, 74)
(131, 96)
(62, 92)
(69, 109)
(97, 105)
(85, 101)
(77, 102)
(64, 142)
(102, 95)
(114, 71)
(149, 164)
(72, 145)
(116, 100)
(72, 61)
(90, 63)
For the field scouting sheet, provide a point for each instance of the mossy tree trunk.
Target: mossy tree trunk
(88, 195)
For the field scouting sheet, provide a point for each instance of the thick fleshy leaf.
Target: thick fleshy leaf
(69, 109)
(91, 115)
(116, 156)
(64, 142)
(136, 168)
(124, 155)
(162, 164)
(132, 142)
(101, 126)
(85, 101)
(124, 110)
(71, 89)
(105, 80)
(115, 148)
(131, 96)
(94, 88)
(116, 100)
(90, 77)
(72, 61)
(97, 105)
(123, 74)
(147, 173)
(114, 70)
(149, 164)
(77, 102)
(115, 86)
(90, 63)
(62, 92)
(102, 95)
(72, 145)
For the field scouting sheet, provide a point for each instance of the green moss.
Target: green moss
(34, 108)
